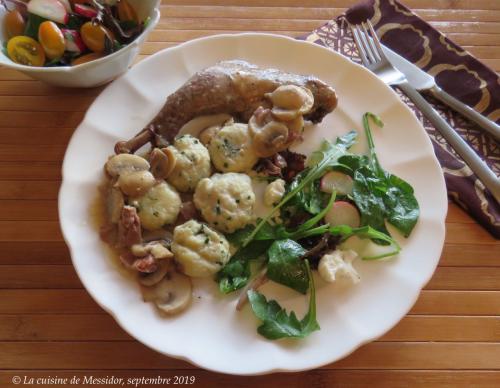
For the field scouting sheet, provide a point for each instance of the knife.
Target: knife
(422, 81)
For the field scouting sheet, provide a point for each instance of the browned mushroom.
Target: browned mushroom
(162, 162)
(125, 163)
(135, 183)
(132, 145)
(270, 139)
(290, 102)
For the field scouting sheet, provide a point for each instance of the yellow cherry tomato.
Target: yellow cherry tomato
(94, 36)
(52, 40)
(126, 12)
(14, 24)
(86, 58)
(26, 51)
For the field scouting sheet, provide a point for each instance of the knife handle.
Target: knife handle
(467, 111)
(476, 164)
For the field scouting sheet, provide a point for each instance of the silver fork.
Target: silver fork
(373, 57)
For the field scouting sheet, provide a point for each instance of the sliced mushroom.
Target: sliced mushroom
(291, 101)
(158, 234)
(136, 183)
(162, 162)
(259, 119)
(195, 126)
(172, 294)
(122, 163)
(208, 134)
(296, 125)
(114, 204)
(150, 279)
(155, 248)
(272, 138)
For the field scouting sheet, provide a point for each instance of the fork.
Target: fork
(374, 58)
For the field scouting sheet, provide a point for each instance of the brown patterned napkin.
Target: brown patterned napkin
(456, 71)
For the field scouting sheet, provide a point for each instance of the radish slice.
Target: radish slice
(85, 11)
(337, 181)
(73, 41)
(49, 9)
(66, 4)
(343, 213)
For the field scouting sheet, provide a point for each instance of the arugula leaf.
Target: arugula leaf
(237, 238)
(323, 159)
(380, 195)
(310, 223)
(348, 164)
(236, 273)
(401, 204)
(32, 25)
(310, 198)
(286, 267)
(368, 194)
(75, 22)
(364, 232)
(367, 232)
(276, 323)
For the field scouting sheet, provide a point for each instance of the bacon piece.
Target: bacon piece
(146, 264)
(129, 227)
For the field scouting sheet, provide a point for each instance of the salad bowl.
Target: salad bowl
(96, 72)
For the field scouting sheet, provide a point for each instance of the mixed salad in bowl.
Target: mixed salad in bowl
(67, 32)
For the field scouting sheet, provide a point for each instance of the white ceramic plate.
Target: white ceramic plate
(211, 334)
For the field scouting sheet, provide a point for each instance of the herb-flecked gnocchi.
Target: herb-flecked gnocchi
(226, 201)
(159, 206)
(199, 250)
(192, 163)
(231, 149)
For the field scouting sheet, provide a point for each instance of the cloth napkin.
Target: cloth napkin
(456, 71)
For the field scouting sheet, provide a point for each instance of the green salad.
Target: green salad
(281, 251)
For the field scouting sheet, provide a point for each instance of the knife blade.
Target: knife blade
(422, 81)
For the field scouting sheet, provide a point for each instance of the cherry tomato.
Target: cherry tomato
(94, 36)
(52, 40)
(25, 51)
(86, 58)
(14, 24)
(126, 12)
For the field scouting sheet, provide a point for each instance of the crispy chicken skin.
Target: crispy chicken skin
(237, 88)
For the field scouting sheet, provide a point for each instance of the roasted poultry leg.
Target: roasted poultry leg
(234, 87)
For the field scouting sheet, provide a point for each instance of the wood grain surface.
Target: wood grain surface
(49, 325)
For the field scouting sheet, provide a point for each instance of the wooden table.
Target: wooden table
(49, 325)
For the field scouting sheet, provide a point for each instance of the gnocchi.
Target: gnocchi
(226, 201)
(199, 250)
(159, 206)
(231, 149)
(192, 163)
